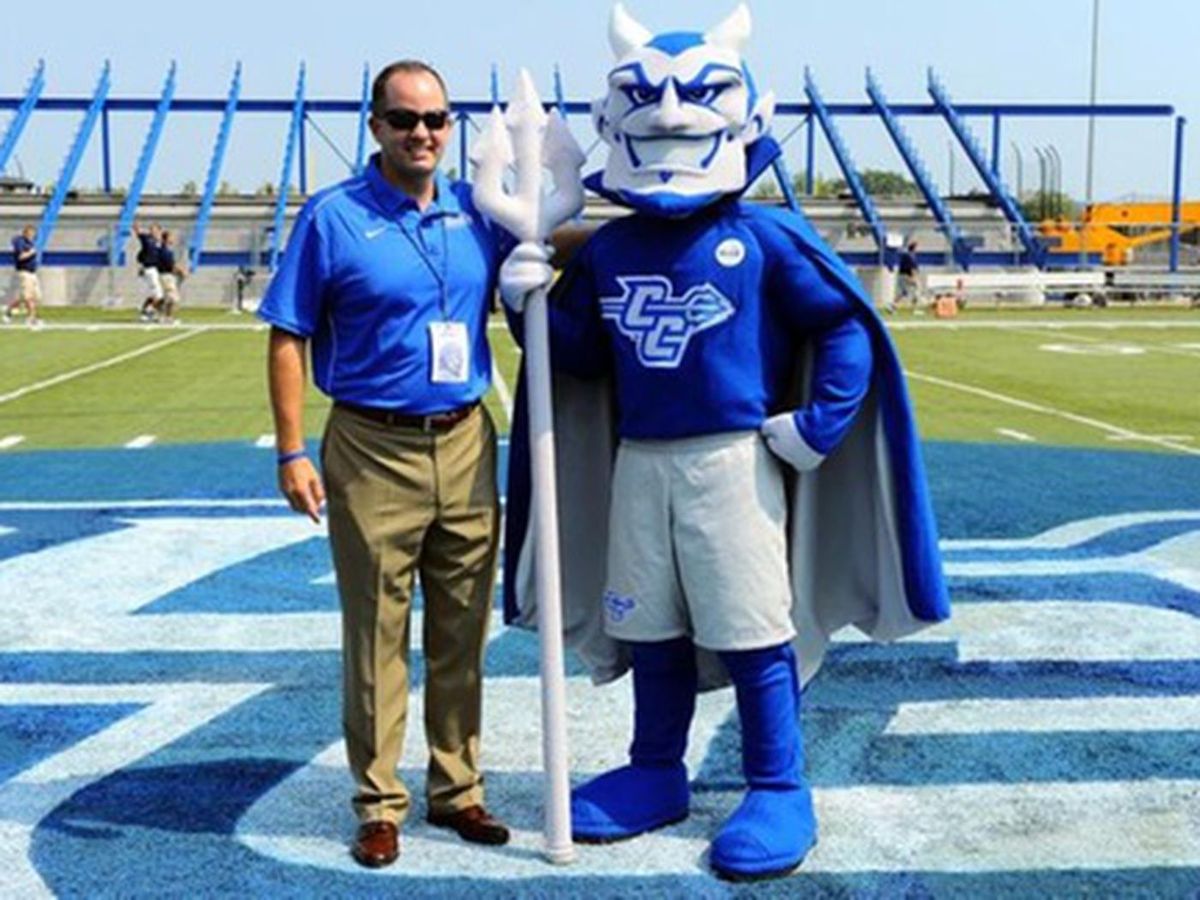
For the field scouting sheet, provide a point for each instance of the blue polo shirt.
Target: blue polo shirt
(364, 276)
(22, 244)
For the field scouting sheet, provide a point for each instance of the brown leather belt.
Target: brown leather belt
(442, 421)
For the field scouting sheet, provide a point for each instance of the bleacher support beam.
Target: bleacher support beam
(842, 154)
(13, 133)
(289, 152)
(908, 152)
(137, 184)
(364, 110)
(74, 156)
(200, 232)
(1035, 251)
(1177, 192)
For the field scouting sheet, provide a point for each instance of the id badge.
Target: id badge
(451, 356)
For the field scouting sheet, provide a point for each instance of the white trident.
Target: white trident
(529, 139)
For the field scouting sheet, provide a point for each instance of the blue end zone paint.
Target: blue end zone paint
(168, 819)
(239, 589)
(1140, 590)
(219, 471)
(1129, 539)
(992, 491)
(29, 734)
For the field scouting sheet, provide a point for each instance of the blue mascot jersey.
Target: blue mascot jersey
(701, 317)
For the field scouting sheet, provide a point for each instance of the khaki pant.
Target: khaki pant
(28, 288)
(403, 502)
(170, 287)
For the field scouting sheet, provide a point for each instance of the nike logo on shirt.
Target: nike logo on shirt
(373, 233)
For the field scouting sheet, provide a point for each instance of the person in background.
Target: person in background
(910, 274)
(149, 241)
(29, 290)
(170, 275)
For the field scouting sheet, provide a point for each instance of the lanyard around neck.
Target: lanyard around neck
(440, 275)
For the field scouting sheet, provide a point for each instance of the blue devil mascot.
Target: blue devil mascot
(739, 469)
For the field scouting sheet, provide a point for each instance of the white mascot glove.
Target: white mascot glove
(784, 440)
(526, 270)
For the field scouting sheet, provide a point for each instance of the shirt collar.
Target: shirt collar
(394, 201)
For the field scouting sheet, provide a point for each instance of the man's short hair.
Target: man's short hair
(409, 66)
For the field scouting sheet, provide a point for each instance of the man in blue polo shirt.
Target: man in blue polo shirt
(29, 292)
(389, 276)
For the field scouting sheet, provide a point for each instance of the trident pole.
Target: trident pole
(530, 139)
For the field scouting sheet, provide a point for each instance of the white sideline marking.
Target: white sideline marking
(142, 440)
(11, 441)
(1016, 435)
(506, 399)
(171, 711)
(265, 442)
(148, 326)
(52, 505)
(1051, 411)
(1156, 713)
(96, 367)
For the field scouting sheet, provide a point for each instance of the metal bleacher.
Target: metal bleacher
(227, 235)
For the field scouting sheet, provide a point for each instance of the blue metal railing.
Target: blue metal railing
(200, 232)
(842, 155)
(116, 252)
(960, 248)
(1035, 251)
(13, 134)
(465, 112)
(289, 152)
(71, 165)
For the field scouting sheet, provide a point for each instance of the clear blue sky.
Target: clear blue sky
(998, 50)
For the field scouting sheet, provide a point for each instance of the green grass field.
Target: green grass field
(1112, 378)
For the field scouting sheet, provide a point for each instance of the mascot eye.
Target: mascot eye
(702, 94)
(640, 95)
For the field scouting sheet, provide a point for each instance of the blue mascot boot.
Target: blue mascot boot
(652, 791)
(774, 827)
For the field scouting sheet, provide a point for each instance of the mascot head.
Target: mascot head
(680, 111)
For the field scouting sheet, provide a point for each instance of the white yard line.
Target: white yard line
(11, 441)
(1051, 411)
(96, 367)
(506, 399)
(1016, 435)
(1161, 437)
(141, 441)
(1000, 324)
(1091, 339)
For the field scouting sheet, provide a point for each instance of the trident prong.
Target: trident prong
(528, 138)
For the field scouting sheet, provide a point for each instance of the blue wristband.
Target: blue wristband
(284, 458)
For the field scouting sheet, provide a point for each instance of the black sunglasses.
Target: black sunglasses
(406, 119)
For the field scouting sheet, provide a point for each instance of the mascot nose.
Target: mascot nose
(669, 115)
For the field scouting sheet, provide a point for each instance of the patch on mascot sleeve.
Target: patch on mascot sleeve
(618, 607)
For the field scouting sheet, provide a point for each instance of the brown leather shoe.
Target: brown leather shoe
(377, 844)
(474, 824)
